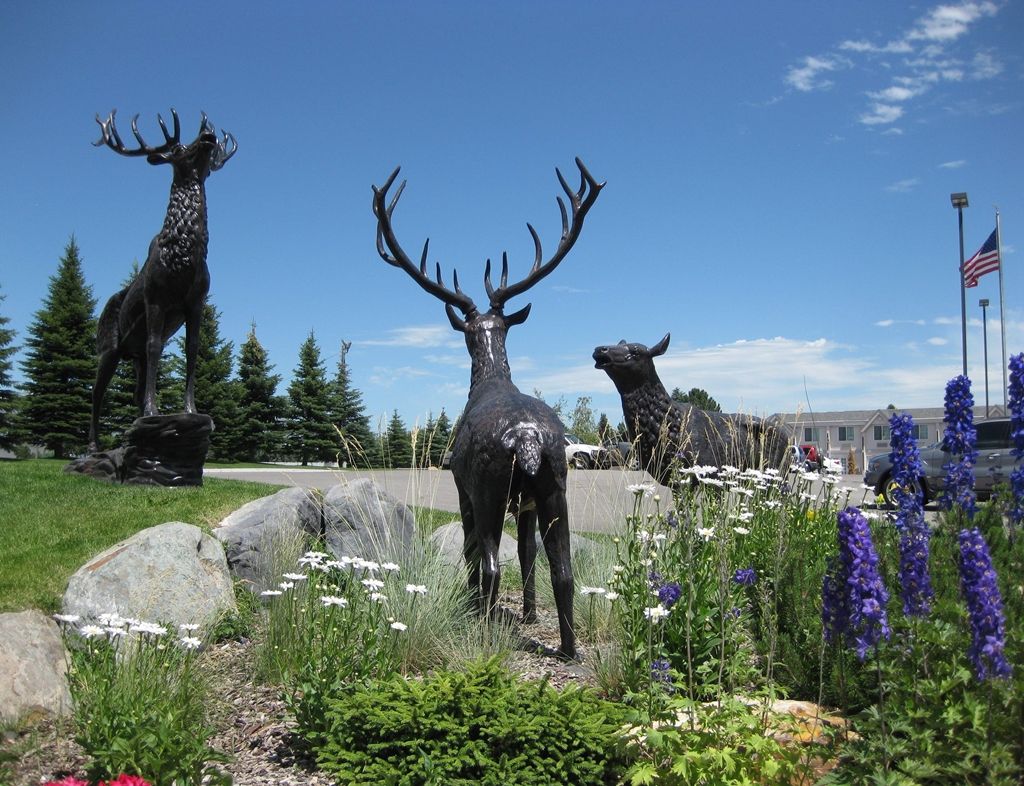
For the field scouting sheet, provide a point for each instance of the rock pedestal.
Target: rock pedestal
(160, 450)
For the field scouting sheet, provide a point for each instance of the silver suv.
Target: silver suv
(995, 463)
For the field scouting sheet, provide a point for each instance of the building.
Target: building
(862, 433)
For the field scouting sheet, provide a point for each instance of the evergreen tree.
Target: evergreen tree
(216, 394)
(440, 438)
(698, 397)
(359, 445)
(60, 362)
(397, 445)
(8, 397)
(262, 410)
(604, 429)
(311, 436)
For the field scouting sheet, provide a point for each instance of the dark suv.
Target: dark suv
(995, 463)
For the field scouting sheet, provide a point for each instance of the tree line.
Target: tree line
(321, 418)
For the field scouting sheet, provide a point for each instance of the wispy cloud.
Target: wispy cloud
(952, 164)
(416, 336)
(925, 60)
(903, 186)
(938, 341)
(570, 290)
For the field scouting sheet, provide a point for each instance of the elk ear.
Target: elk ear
(518, 317)
(457, 323)
(660, 347)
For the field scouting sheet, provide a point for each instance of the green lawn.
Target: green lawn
(52, 523)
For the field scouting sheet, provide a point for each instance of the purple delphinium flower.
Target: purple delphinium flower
(745, 577)
(959, 440)
(1016, 403)
(915, 581)
(660, 671)
(669, 593)
(984, 607)
(853, 594)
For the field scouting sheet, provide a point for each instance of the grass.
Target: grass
(52, 523)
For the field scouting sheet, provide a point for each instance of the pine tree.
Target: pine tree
(397, 444)
(360, 446)
(8, 397)
(311, 436)
(60, 362)
(262, 410)
(440, 437)
(604, 429)
(698, 397)
(216, 394)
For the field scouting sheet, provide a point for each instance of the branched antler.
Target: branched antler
(112, 139)
(391, 251)
(581, 200)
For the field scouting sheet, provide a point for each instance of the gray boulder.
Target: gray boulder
(32, 667)
(362, 520)
(264, 534)
(173, 573)
(448, 539)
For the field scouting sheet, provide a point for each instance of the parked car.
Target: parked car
(621, 454)
(584, 456)
(994, 465)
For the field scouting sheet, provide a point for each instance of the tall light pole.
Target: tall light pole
(984, 338)
(959, 201)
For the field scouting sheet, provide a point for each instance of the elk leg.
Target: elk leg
(192, 319)
(139, 364)
(554, 530)
(470, 549)
(527, 531)
(104, 373)
(154, 348)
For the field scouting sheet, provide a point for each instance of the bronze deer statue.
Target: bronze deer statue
(668, 433)
(171, 287)
(508, 452)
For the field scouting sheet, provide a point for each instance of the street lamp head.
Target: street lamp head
(983, 302)
(959, 199)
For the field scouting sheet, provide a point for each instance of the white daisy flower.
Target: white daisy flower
(333, 600)
(416, 589)
(398, 626)
(190, 642)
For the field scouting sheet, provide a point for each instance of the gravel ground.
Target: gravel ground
(251, 721)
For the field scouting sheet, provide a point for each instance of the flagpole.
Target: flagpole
(1002, 309)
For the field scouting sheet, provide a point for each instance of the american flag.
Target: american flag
(984, 261)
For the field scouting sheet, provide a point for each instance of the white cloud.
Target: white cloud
(893, 132)
(893, 47)
(938, 341)
(895, 93)
(885, 323)
(806, 77)
(881, 114)
(903, 186)
(985, 66)
(417, 336)
(949, 22)
(952, 164)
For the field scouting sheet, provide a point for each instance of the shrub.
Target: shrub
(482, 726)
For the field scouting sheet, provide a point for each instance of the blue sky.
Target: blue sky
(778, 180)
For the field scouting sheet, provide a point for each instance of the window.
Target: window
(919, 432)
(846, 433)
(881, 433)
(993, 434)
(811, 434)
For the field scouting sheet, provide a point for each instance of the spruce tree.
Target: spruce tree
(8, 398)
(439, 435)
(604, 429)
(360, 446)
(697, 397)
(311, 435)
(397, 444)
(60, 361)
(262, 410)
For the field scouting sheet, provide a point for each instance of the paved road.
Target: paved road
(599, 500)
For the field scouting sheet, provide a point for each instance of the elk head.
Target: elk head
(629, 365)
(485, 332)
(207, 153)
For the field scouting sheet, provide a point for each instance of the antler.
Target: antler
(391, 252)
(226, 145)
(581, 200)
(112, 139)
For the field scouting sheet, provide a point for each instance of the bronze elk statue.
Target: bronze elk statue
(171, 287)
(668, 433)
(508, 452)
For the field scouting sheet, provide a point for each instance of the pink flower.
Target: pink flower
(68, 781)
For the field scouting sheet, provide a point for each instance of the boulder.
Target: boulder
(362, 520)
(274, 525)
(32, 667)
(579, 547)
(173, 573)
(448, 540)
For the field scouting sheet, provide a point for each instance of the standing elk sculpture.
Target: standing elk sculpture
(509, 449)
(171, 287)
(668, 433)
